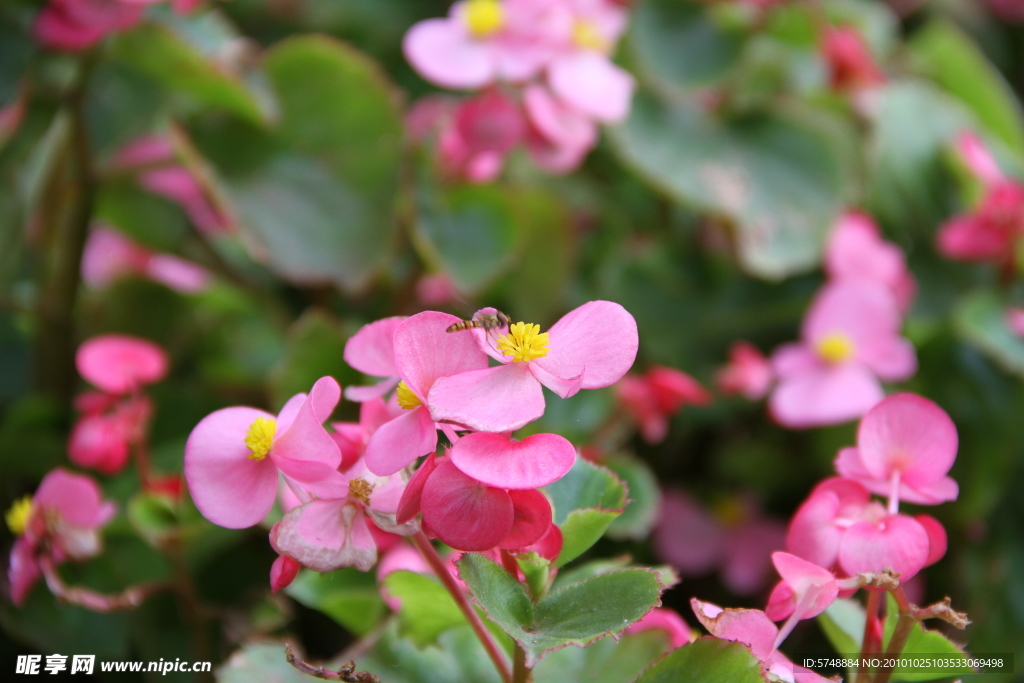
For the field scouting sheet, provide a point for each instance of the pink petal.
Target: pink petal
(531, 520)
(748, 549)
(781, 602)
(23, 571)
(371, 350)
(966, 237)
(564, 387)
(794, 359)
(591, 83)
(939, 491)
(399, 442)
(325, 535)
(667, 620)
(687, 536)
(897, 542)
(549, 545)
(409, 504)
(444, 54)
(937, 539)
(99, 442)
(229, 488)
(977, 158)
(178, 274)
(856, 250)
(813, 533)
(425, 352)
(599, 335)
(814, 588)
(464, 513)
(832, 395)
(498, 399)
(283, 572)
(557, 123)
(76, 498)
(866, 312)
(498, 461)
(359, 394)
(749, 626)
(909, 434)
(893, 359)
(119, 364)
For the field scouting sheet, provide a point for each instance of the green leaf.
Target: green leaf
(458, 656)
(313, 349)
(574, 615)
(707, 660)
(348, 596)
(586, 501)
(922, 642)
(153, 516)
(843, 624)
(675, 45)
(166, 52)
(950, 57)
(261, 662)
(427, 611)
(779, 177)
(537, 571)
(980, 320)
(606, 661)
(641, 512)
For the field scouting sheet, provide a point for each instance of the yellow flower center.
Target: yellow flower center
(524, 342)
(260, 437)
(835, 347)
(406, 398)
(361, 489)
(586, 36)
(484, 17)
(17, 517)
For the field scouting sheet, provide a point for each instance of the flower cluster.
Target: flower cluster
(850, 336)
(544, 76)
(80, 24)
(839, 538)
(341, 489)
(655, 396)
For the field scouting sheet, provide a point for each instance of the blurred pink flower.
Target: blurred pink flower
(856, 251)
(120, 364)
(482, 130)
(1015, 320)
(748, 372)
(851, 66)
(559, 136)
(738, 541)
(109, 255)
(652, 398)
(850, 342)
(806, 590)
(667, 620)
(79, 24)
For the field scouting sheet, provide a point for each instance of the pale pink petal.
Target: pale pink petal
(556, 123)
(856, 250)
(496, 460)
(747, 562)
(531, 519)
(909, 434)
(591, 83)
(937, 539)
(977, 158)
(748, 626)
(399, 442)
(832, 395)
(687, 536)
(178, 274)
(314, 476)
(893, 359)
(325, 535)
(146, 150)
(794, 359)
(934, 492)
(444, 54)
(813, 534)
(667, 620)
(305, 439)
(464, 513)
(360, 394)
(599, 335)
(229, 488)
(498, 399)
(781, 602)
(863, 311)
(371, 350)
(110, 255)
(814, 588)
(23, 571)
(425, 352)
(76, 498)
(119, 364)
(897, 542)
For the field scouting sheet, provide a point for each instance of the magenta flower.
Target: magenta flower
(589, 348)
(856, 251)
(233, 456)
(99, 442)
(120, 364)
(905, 446)
(371, 351)
(748, 372)
(481, 42)
(738, 540)
(654, 397)
(61, 521)
(851, 66)
(423, 354)
(78, 24)
(850, 342)
(483, 130)
(283, 572)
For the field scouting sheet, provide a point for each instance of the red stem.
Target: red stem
(426, 549)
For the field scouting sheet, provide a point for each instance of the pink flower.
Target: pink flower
(352, 437)
(667, 620)
(61, 521)
(332, 530)
(1015, 320)
(499, 461)
(589, 348)
(233, 481)
(109, 256)
(559, 137)
(905, 446)
(806, 590)
(850, 341)
(120, 364)
(99, 442)
(977, 158)
(748, 372)
(738, 540)
(856, 251)
(371, 351)
(78, 24)
(480, 42)
(851, 66)
(423, 354)
(483, 130)
(654, 397)
(755, 630)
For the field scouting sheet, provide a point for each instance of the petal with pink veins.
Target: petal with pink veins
(410, 503)
(748, 626)
(464, 513)
(497, 460)
(325, 535)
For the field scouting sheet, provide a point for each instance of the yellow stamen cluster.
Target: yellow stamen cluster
(17, 517)
(406, 398)
(586, 35)
(484, 17)
(361, 489)
(524, 342)
(835, 347)
(260, 437)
